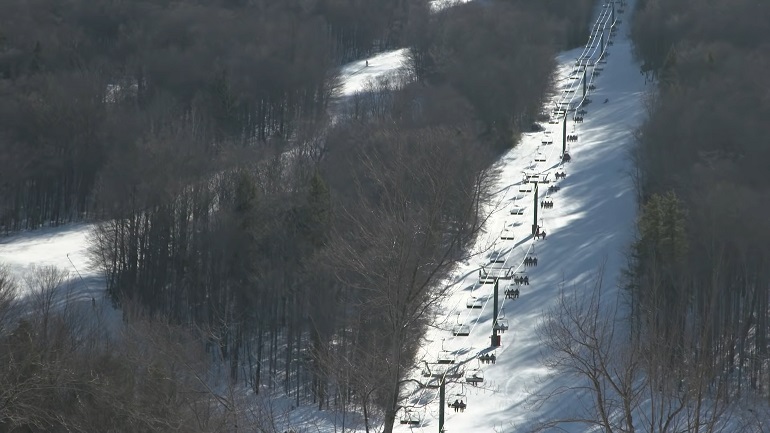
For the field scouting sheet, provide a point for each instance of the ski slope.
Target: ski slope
(356, 76)
(65, 247)
(590, 224)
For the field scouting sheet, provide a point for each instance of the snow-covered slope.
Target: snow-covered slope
(64, 247)
(591, 223)
(355, 76)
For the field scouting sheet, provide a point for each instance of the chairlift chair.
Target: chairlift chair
(525, 187)
(435, 370)
(410, 417)
(445, 357)
(460, 397)
(474, 376)
(517, 210)
(539, 157)
(461, 331)
(474, 302)
(501, 325)
(507, 233)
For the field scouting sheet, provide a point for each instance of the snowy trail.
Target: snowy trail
(591, 223)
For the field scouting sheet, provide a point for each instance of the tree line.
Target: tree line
(306, 256)
(699, 280)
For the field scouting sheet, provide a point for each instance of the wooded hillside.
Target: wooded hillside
(701, 284)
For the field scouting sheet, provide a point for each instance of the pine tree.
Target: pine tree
(317, 217)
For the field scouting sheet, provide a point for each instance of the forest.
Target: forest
(698, 282)
(247, 239)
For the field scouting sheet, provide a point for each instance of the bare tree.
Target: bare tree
(8, 299)
(633, 382)
(415, 205)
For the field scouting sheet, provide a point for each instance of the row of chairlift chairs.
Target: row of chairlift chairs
(444, 367)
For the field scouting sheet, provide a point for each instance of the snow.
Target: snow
(590, 225)
(356, 76)
(65, 247)
(437, 5)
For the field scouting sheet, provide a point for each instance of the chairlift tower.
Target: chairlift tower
(563, 145)
(534, 221)
(496, 338)
(441, 403)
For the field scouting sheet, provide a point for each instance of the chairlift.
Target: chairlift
(439, 371)
(460, 329)
(539, 157)
(525, 187)
(459, 404)
(410, 417)
(501, 324)
(520, 278)
(445, 356)
(474, 376)
(497, 257)
(511, 292)
(518, 210)
(474, 302)
(507, 233)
